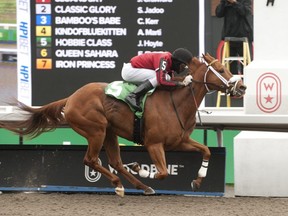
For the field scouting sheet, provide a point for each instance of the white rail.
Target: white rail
(211, 118)
(7, 25)
(8, 50)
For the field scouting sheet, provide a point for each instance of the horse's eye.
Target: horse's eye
(221, 70)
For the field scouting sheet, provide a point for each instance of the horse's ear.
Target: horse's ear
(207, 57)
(208, 54)
(204, 56)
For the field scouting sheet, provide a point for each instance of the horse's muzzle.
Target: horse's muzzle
(237, 91)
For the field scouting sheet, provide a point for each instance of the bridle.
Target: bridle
(227, 83)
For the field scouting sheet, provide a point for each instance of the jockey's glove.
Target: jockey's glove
(187, 80)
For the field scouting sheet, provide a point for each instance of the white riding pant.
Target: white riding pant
(138, 75)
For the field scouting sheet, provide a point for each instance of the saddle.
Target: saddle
(119, 90)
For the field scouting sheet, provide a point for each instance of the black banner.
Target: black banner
(61, 168)
(75, 42)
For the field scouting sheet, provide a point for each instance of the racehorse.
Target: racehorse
(169, 118)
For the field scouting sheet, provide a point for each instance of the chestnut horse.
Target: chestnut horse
(169, 119)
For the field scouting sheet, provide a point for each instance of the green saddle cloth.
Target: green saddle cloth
(120, 89)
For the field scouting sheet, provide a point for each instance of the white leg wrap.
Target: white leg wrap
(145, 174)
(203, 170)
(152, 175)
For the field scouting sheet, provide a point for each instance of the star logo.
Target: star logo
(91, 175)
(268, 99)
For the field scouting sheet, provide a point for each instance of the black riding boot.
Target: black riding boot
(133, 99)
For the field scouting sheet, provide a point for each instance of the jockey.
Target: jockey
(152, 69)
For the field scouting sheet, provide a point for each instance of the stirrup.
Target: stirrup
(132, 104)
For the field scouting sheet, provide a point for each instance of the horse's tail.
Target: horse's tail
(38, 120)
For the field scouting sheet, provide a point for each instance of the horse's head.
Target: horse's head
(217, 77)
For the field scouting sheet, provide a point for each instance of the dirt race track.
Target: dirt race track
(60, 204)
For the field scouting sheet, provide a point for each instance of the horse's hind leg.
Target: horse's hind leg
(112, 150)
(84, 113)
(95, 142)
(91, 160)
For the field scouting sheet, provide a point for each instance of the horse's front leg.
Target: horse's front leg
(192, 145)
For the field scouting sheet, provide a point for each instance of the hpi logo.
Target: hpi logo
(268, 92)
(91, 175)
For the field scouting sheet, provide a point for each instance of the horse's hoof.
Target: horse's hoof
(149, 191)
(120, 191)
(194, 186)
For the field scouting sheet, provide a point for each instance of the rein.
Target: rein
(176, 111)
(196, 105)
